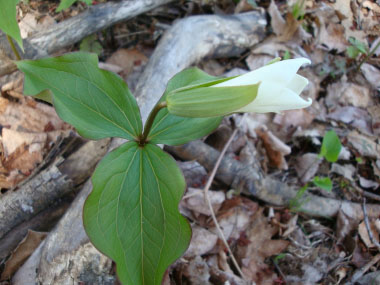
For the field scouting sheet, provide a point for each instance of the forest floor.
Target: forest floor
(283, 244)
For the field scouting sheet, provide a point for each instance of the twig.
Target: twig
(366, 193)
(360, 272)
(369, 55)
(207, 198)
(366, 221)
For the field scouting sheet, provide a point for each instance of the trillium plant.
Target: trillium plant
(132, 212)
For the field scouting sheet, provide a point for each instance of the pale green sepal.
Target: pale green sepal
(205, 102)
(174, 130)
(132, 212)
(8, 21)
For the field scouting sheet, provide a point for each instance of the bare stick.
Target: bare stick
(207, 198)
(366, 221)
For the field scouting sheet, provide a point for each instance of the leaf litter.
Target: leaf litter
(272, 245)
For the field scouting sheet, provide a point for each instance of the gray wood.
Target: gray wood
(187, 42)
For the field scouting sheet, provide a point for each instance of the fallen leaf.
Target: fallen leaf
(366, 183)
(260, 246)
(307, 166)
(127, 59)
(234, 216)
(363, 233)
(195, 201)
(372, 74)
(25, 248)
(344, 8)
(202, 242)
(347, 171)
(353, 116)
(197, 271)
(346, 93)
(255, 61)
(364, 145)
(293, 118)
(275, 148)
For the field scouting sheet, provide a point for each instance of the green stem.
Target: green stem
(149, 122)
(369, 55)
(14, 49)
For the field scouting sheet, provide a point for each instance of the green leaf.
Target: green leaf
(352, 51)
(331, 146)
(68, 3)
(295, 204)
(96, 102)
(8, 21)
(324, 183)
(173, 130)
(91, 44)
(132, 213)
(65, 4)
(359, 45)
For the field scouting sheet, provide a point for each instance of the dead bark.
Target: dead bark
(246, 178)
(60, 258)
(19, 207)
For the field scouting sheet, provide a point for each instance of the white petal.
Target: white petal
(281, 72)
(274, 98)
(297, 84)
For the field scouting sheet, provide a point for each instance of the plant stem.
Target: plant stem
(368, 55)
(14, 49)
(149, 122)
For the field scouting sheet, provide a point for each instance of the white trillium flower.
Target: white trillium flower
(279, 88)
(273, 88)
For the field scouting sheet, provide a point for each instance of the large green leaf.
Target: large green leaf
(173, 130)
(96, 102)
(8, 21)
(132, 213)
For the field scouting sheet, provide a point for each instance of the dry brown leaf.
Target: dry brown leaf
(274, 147)
(197, 270)
(202, 242)
(195, 201)
(363, 233)
(25, 248)
(255, 61)
(33, 23)
(293, 118)
(36, 117)
(372, 74)
(286, 29)
(347, 93)
(127, 59)
(234, 216)
(366, 183)
(347, 171)
(260, 246)
(365, 145)
(344, 8)
(353, 116)
(307, 166)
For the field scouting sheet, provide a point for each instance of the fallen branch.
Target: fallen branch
(18, 207)
(187, 42)
(250, 180)
(71, 31)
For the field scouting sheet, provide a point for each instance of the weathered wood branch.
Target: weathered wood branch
(19, 207)
(265, 188)
(71, 31)
(218, 34)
